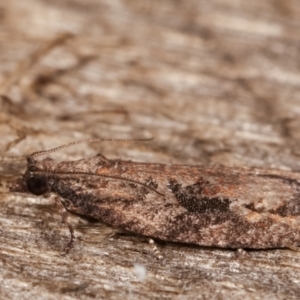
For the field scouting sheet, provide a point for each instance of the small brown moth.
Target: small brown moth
(204, 205)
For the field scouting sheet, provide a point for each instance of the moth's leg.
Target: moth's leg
(65, 219)
(155, 250)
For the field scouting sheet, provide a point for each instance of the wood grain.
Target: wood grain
(215, 82)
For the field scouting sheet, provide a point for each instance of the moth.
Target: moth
(215, 206)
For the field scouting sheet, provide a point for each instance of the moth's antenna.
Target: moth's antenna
(38, 153)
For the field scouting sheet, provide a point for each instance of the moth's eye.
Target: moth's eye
(37, 185)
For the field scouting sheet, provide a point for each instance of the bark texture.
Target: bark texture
(214, 82)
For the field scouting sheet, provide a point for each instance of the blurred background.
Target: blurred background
(214, 82)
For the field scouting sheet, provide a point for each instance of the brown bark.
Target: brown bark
(214, 82)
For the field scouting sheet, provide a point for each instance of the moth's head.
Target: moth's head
(34, 181)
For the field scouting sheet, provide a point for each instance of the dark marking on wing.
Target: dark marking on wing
(191, 197)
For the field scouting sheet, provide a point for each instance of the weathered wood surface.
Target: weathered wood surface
(213, 82)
